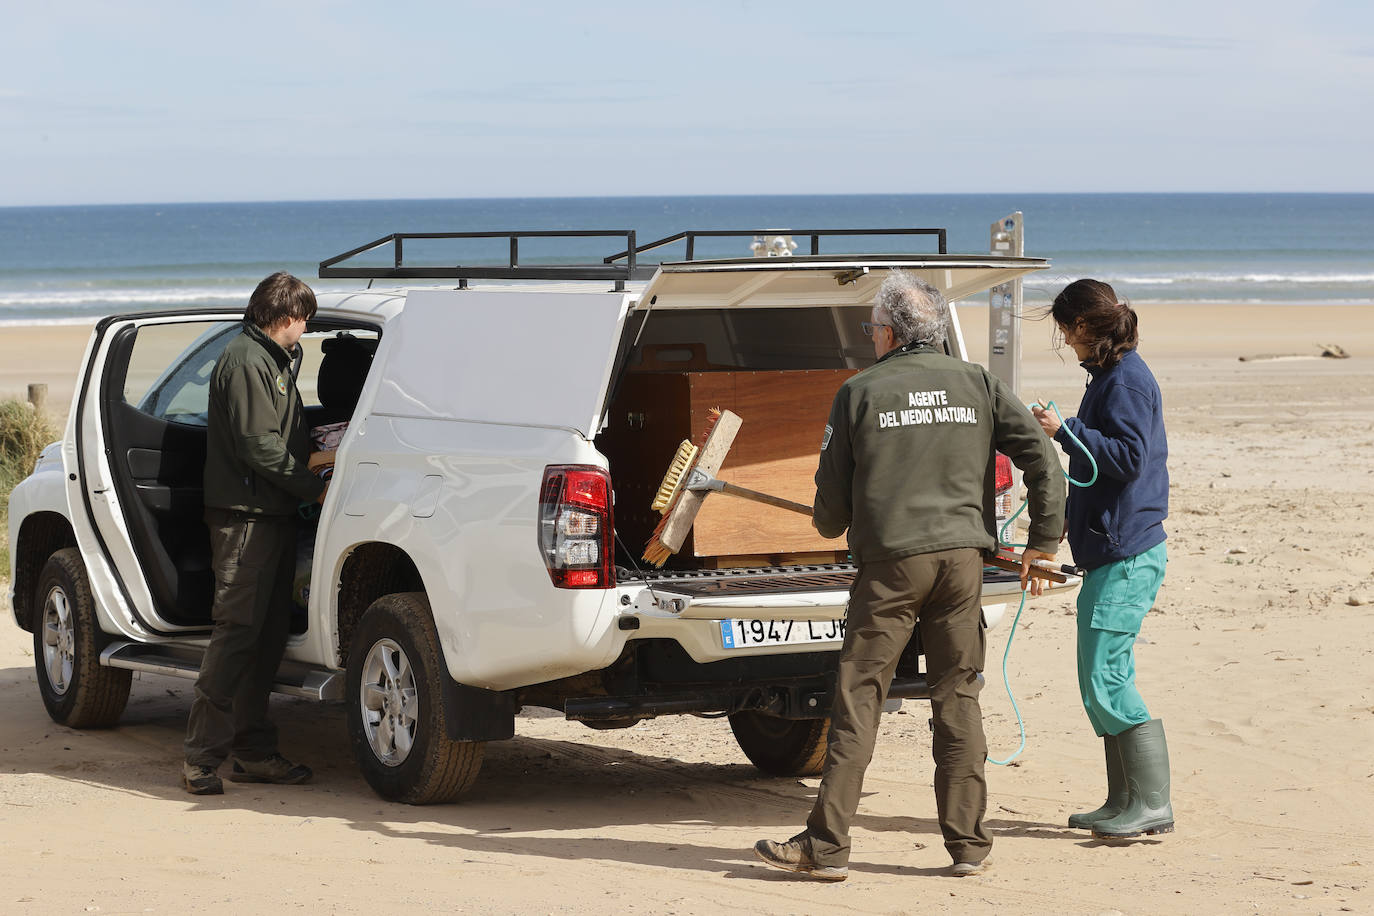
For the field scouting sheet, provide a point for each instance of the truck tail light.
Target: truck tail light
(576, 526)
(1003, 482)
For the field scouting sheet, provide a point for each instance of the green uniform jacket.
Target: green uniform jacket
(258, 445)
(908, 459)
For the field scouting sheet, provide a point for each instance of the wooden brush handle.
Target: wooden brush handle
(1038, 572)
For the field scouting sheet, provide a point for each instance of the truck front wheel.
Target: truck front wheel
(781, 747)
(395, 706)
(76, 690)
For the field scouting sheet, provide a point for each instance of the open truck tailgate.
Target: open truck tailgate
(800, 593)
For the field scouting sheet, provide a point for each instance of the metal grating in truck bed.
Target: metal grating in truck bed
(767, 579)
(700, 583)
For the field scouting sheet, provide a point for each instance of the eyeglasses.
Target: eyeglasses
(869, 326)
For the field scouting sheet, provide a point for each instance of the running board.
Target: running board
(184, 662)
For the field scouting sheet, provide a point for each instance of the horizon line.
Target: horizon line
(321, 200)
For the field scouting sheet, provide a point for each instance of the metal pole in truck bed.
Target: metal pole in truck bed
(1004, 312)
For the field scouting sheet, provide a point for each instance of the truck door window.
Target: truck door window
(169, 369)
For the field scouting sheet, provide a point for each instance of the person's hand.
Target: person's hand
(1047, 419)
(1036, 586)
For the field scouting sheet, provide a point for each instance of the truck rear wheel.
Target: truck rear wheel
(396, 709)
(781, 747)
(76, 690)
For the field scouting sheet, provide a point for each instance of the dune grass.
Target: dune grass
(24, 432)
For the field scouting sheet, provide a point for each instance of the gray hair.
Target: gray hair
(916, 310)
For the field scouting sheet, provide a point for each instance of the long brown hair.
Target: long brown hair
(1099, 319)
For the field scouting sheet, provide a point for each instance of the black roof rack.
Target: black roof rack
(624, 265)
(691, 236)
(512, 270)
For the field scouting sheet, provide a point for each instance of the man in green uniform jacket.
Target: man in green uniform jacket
(907, 466)
(256, 476)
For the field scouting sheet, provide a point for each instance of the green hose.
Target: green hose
(1002, 536)
(1006, 683)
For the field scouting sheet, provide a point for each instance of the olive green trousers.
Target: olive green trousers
(254, 559)
(940, 592)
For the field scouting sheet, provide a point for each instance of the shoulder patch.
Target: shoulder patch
(825, 439)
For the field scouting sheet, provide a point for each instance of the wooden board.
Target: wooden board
(783, 416)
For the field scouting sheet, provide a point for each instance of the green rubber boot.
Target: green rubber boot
(1117, 794)
(1145, 759)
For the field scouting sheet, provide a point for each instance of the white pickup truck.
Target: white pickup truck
(479, 547)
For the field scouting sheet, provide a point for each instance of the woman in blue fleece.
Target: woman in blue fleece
(1116, 531)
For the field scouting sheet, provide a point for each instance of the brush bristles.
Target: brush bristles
(656, 554)
(686, 454)
(712, 416)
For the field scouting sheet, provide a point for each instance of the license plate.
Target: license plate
(746, 634)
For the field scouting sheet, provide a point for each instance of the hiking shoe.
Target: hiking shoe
(795, 856)
(201, 780)
(968, 869)
(275, 769)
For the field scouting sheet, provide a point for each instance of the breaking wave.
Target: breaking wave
(116, 297)
(1296, 279)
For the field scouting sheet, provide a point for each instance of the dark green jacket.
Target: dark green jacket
(258, 445)
(908, 459)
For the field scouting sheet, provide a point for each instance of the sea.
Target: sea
(73, 264)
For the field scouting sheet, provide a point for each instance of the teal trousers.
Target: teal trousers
(1112, 603)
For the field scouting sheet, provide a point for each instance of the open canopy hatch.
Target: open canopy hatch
(813, 280)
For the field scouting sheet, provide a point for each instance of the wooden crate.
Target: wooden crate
(776, 451)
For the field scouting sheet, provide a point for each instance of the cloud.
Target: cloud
(56, 110)
(1154, 41)
(584, 91)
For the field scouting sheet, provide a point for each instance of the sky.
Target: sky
(242, 100)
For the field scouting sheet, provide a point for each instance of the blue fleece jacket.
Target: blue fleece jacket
(1121, 422)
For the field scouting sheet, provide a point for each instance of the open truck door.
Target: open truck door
(135, 459)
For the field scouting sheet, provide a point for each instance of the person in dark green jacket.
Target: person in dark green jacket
(256, 476)
(907, 467)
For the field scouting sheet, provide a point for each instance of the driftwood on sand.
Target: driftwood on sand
(1327, 351)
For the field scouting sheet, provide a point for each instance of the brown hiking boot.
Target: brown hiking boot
(275, 769)
(200, 780)
(969, 869)
(795, 856)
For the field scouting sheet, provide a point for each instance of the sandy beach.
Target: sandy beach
(1258, 657)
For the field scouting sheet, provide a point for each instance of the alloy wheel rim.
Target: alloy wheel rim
(390, 702)
(59, 639)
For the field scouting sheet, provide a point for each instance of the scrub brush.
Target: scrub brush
(679, 507)
(677, 472)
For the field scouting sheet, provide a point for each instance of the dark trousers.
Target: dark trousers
(940, 592)
(254, 558)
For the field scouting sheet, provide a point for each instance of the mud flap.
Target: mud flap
(475, 714)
